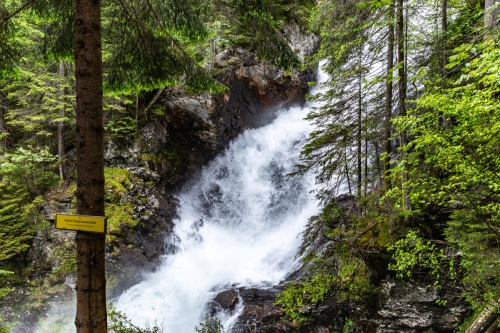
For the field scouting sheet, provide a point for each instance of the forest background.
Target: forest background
(410, 127)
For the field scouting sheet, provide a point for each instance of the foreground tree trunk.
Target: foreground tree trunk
(91, 280)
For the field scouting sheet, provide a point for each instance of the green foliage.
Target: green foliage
(118, 211)
(119, 323)
(256, 26)
(117, 182)
(119, 216)
(37, 95)
(121, 128)
(299, 298)
(344, 279)
(20, 218)
(4, 327)
(210, 325)
(412, 253)
(349, 323)
(148, 50)
(4, 291)
(337, 269)
(29, 169)
(10, 48)
(453, 161)
(36, 98)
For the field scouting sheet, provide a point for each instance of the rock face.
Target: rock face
(139, 249)
(189, 130)
(416, 307)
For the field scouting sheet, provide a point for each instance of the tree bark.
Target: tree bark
(444, 29)
(402, 86)
(346, 164)
(388, 99)
(491, 12)
(484, 321)
(359, 132)
(3, 131)
(91, 279)
(401, 62)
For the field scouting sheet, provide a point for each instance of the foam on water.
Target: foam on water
(239, 224)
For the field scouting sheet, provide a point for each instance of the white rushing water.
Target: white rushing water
(239, 224)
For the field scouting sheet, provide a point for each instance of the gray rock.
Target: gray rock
(302, 42)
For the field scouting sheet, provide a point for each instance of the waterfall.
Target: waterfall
(239, 225)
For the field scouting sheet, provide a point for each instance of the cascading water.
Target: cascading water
(239, 224)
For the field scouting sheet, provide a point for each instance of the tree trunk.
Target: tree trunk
(401, 63)
(347, 171)
(60, 126)
(484, 321)
(388, 99)
(400, 36)
(444, 29)
(3, 131)
(91, 279)
(491, 12)
(136, 116)
(359, 133)
(365, 159)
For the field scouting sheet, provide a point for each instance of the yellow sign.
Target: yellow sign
(81, 223)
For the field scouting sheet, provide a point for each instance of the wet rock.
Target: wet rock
(227, 299)
(417, 307)
(259, 312)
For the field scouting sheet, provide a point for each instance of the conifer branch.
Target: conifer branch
(20, 9)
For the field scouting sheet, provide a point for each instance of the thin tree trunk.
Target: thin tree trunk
(388, 99)
(359, 132)
(444, 55)
(401, 62)
(136, 116)
(377, 158)
(60, 126)
(444, 29)
(91, 279)
(400, 36)
(153, 101)
(3, 131)
(347, 172)
(365, 158)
